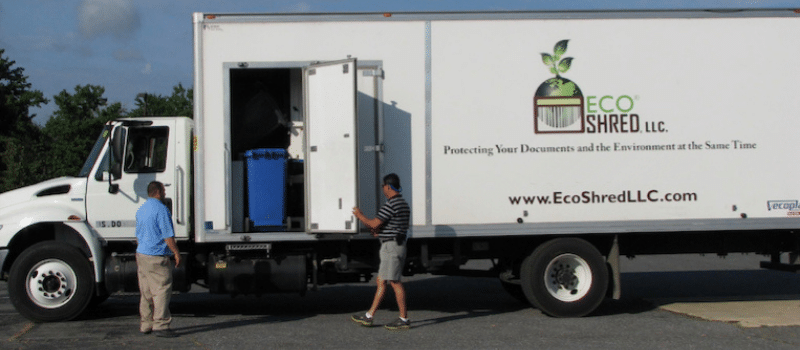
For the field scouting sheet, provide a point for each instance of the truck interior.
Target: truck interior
(267, 157)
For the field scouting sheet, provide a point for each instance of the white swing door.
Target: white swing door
(331, 147)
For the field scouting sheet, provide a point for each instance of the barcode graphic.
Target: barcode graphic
(559, 116)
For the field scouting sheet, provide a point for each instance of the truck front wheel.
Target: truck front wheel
(565, 277)
(50, 281)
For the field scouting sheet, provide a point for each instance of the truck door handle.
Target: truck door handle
(179, 195)
(228, 175)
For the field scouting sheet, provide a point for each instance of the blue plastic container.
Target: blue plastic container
(266, 188)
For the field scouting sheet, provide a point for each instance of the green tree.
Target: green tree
(16, 97)
(74, 127)
(21, 161)
(20, 138)
(178, 104)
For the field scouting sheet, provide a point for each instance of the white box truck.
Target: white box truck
(550, 143)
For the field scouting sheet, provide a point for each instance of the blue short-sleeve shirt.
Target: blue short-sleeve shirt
(153, 226)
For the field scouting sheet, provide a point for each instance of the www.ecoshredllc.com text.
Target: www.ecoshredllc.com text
(592, 197)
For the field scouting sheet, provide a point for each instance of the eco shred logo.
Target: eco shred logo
(559, 105)
(558, 102)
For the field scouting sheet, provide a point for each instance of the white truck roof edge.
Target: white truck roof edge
(495, 15)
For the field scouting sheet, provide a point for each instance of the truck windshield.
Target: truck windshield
(98, 146)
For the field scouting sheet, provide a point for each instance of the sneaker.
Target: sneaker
(165, 333)
(398, 324)
(362, 319)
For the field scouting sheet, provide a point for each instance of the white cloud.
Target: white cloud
(148, 68)
(116, 17)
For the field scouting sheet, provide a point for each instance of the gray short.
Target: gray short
(393, 259)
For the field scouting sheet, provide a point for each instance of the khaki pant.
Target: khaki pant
(155, 286)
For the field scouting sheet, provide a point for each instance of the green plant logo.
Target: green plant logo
(558, 102)
(550, 60)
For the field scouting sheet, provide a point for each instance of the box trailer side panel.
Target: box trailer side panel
(511, 125)
(615, 124)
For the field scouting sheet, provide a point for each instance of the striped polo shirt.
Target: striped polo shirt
(394, 214)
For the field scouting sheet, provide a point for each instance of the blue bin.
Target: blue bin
(266, 188)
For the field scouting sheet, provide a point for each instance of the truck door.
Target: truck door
(331, 146)
(149, 154)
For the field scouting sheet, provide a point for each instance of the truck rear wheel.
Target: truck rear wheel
(50, 281)
(565, 277)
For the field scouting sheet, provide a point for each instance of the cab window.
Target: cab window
(146, 151)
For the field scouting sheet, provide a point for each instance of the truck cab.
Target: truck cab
(54, 236)
(142, 150)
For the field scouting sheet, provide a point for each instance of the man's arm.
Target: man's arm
(165, 223)
(373, 223)
(174, 248)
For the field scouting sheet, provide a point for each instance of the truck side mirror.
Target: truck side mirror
(117, 144)
(115, 172)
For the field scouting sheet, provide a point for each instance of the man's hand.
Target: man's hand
(373, 224)
(174, 248)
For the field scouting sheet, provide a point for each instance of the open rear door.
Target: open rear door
(331, 153)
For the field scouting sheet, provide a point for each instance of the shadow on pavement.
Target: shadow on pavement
(462, 297)
(703, 286)
(646, 291)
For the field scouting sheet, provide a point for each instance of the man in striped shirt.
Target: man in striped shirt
(391, 227)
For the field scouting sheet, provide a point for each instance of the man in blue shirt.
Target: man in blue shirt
(156, 243)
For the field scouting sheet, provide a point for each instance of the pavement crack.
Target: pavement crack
(199, 344)
(28, 327)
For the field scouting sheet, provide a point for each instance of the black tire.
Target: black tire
(98, 299)
(51, 281)
(514, 290)
(565, 277)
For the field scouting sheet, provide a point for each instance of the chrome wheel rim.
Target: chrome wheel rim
(51, 283)
(568, 277)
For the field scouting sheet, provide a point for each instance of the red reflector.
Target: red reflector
(74, 218)
(387, 15)
(210, 16)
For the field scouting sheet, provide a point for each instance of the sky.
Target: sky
(136, 46)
